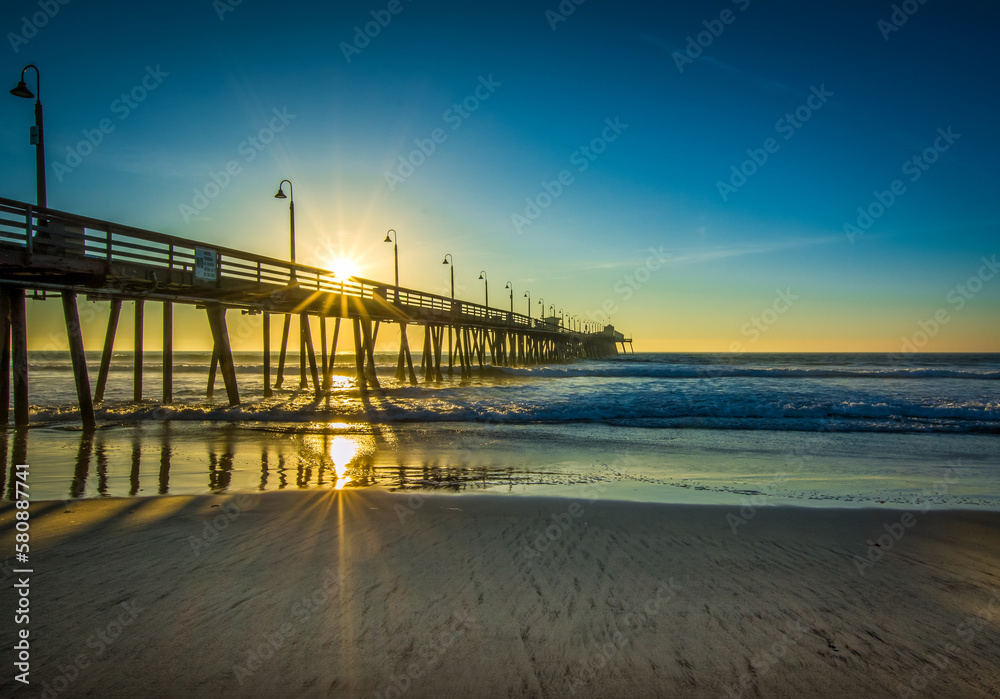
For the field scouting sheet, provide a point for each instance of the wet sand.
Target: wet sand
(367, 593)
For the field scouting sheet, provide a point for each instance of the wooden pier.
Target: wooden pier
(53, 253)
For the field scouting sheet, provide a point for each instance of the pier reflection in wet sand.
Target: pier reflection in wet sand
(193, 458)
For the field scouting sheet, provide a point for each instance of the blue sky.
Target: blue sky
(548, 85)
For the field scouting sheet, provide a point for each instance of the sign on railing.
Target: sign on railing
(206, 264)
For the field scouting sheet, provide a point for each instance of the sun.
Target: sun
(343, 267)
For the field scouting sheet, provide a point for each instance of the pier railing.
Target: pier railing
(43, 234)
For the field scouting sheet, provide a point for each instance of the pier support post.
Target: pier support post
(213, 367)
(307, 343)
(19, 354)
(369, 350)
(284, 349)
(359, 355)
(137, 354)
(267, 355)
(217, 322)
(303, 328)
(168, 352)
(322, 345)
(4, 358)
(328, 374)
(79, 358)
(109, 344)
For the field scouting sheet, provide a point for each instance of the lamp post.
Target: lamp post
(482, 275)
(449, 260)
(291, 254)
(527, 295)
(541, 313)
(291, 219)
(37, 132)
(394, 239)
(508, 286)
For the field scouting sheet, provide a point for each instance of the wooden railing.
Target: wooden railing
(52, 232)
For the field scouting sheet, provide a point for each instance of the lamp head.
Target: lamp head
(280, 194)
(508, 286)
(387, 239)
(482, 275)
(22, 91)
(445, 261)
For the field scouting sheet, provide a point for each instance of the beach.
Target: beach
(370, 593)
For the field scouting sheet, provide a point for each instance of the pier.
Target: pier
(54, 254)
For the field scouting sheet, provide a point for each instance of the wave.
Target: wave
(716, 371)
(725, 412)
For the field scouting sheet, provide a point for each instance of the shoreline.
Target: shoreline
(358, 593)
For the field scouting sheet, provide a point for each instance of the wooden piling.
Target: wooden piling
(79, 358)
(217, 323)
(359, 354)
(109, 344)
(369, 349)
(267, 356)
(322, 344)
(328, 375)
(19, 355)
(303, 327)
(311, 352)
(284, 349)
(137, 354)
(168, 352)
(213, 367)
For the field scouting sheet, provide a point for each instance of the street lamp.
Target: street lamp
(541, 314)
(449, 260)
(511, 297)
(291, 218)
(394, 239)
(482, 275)
(37, 133)
(527, 295)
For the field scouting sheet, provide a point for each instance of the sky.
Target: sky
(743, 175)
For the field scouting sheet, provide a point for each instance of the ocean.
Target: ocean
(842, 429)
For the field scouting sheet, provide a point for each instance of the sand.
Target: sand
(368, 593)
